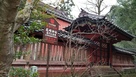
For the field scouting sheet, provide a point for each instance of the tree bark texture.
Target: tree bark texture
(8, 18)
(8, 11)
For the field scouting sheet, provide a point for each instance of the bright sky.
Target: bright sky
(82, 4)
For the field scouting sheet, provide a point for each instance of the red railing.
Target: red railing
(59, 52)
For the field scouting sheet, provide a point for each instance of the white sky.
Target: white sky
(82, 4)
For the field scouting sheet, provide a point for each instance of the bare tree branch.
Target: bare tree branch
(97, 6)
(104, 8)
(91, 3)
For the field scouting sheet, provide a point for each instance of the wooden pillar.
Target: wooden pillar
(109, 47)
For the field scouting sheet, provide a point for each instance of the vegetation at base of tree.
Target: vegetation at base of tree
(124, 15)
(129, 73)
(21, 72)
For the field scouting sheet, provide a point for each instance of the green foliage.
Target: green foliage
(18, 54)
(124, 15)
(25, 34)
(129, 73)
(66, 7)
(22, 36)
(36, 22)
(21, 72)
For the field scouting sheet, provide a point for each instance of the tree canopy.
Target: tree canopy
(66, 7)
(124, 15)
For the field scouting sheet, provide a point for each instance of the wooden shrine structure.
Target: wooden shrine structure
(84, 42)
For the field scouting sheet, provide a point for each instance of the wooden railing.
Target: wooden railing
(59, 52)
(122, 60)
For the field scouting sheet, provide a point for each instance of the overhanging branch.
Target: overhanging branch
(24, 14)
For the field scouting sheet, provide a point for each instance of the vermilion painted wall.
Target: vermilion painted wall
(63, 24)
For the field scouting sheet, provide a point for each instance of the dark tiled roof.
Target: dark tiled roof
(97, 19)
(75, 38)
(58, 13)
(123, 50)
(92, 16)
(64, 36)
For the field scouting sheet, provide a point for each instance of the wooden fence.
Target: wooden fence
(59, 52)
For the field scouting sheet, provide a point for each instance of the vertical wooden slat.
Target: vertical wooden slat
(63, 52)
(75, 54)
(35, 51)
(31, 48)
(54, 57)
(83, 54)
(43, 50)
(23, 51)
(75, 51)
(79, 55)
(38, 50)
(58, 53)
(34, 48)
(76, 58)
(51, 52)
(28, 49)
(86, 55)
(54, 52)
(69, 52)
(40, 53)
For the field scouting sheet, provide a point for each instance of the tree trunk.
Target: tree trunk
(6, 50)
(10, 21)
(8, 11)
